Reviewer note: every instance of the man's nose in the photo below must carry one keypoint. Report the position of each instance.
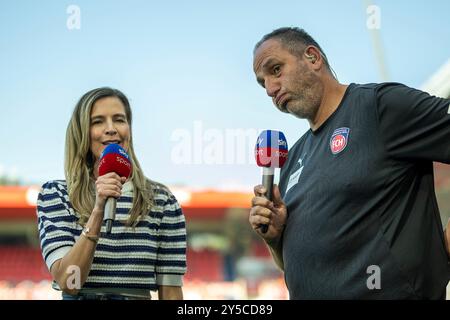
(272, 88)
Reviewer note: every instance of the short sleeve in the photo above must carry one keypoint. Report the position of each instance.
(413, 124)
(56, 224)
(171, 256)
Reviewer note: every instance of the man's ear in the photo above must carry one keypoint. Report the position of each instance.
(311, 57)
(312, 54)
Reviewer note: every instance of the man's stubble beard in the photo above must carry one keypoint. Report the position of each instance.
(307, 96)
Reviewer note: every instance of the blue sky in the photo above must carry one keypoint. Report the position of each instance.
(181, 63)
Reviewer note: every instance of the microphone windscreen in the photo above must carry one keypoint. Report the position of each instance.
(271, 149)
(114, 159)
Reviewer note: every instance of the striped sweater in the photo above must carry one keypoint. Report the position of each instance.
(153, 254)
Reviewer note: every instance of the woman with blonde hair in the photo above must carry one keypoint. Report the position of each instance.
(146, 249)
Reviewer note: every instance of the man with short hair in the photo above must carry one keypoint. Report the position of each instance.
(355, 215)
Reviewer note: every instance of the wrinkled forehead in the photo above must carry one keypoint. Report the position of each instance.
(269, 49)
(263, 52)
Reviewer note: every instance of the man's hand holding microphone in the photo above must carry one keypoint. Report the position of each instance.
(271, 213)
(268, 214)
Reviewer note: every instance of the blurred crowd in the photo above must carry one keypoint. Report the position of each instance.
(273, 289)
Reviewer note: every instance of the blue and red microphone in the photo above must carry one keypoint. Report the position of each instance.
(271, 151)
(113, 159)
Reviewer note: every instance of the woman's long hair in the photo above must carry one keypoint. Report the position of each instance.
(79, 160)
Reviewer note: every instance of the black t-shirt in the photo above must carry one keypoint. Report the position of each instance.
(363, 220)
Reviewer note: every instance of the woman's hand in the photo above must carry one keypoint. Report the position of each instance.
(107, 186)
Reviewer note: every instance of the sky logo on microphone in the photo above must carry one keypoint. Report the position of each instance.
(123, 153)
(271, 149)
(114, 148)
(115, 159)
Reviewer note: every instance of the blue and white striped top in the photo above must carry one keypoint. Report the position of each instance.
(152, 254)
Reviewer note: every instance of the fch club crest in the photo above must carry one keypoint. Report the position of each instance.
(339, 140)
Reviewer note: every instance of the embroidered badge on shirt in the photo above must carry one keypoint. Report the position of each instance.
(339, 140)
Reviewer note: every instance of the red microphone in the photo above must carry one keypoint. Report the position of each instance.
(113, 159)
(271, 151)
